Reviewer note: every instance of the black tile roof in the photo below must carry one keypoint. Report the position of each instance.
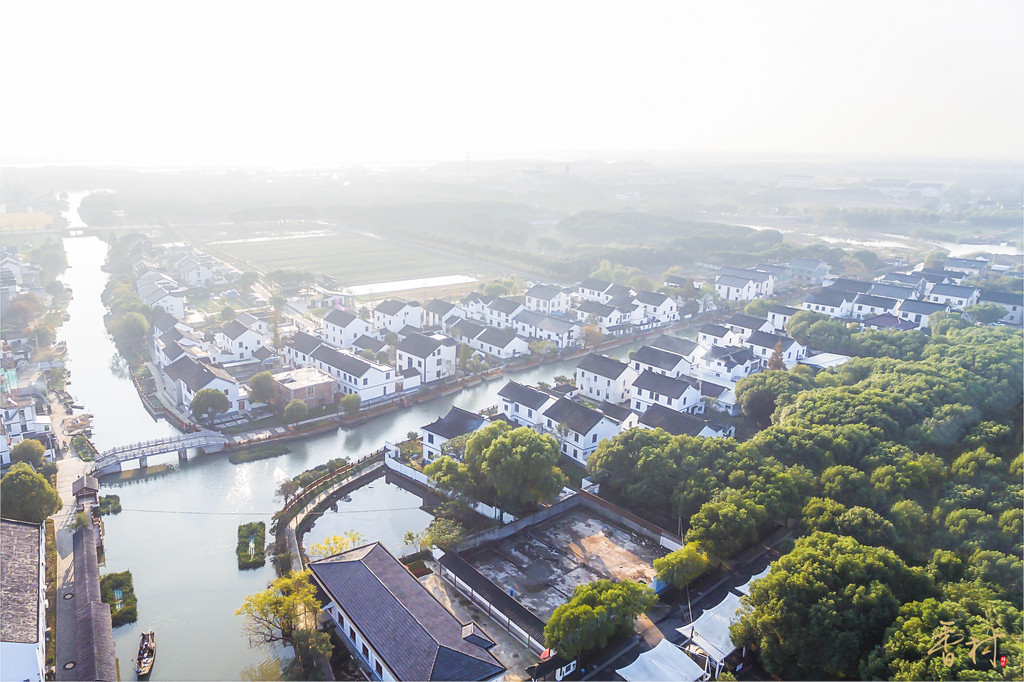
(577, 417)
(456, 423)
(85, 483)
(507, 306)
(544, 292)
(674, 344)
(1004, 297)
(659, 383)
(234, 329)
(19, 581)
(555, 325)
(953, 290)
(420, 345)
(393, 306)
(875, 301)
(892, 290)
(783, 310)
(496, 337)
(745, 273)
(524, 395)
(602, 366)
(854, 285)
(617, 290)
(94, 643)
(340, 318)
(746, 321)
(731, 356)
(715, 330)
(889, 321)
(922, 307)
(345, 362)
(614, 412)
(650, 298)
(830, 297)
(438, 307)
(594, 284)
(677, 423)
(733, 281)
(657, 357)
(589, 307)
(767, 340)
(415, 636)
(304, 343)
(467, 329)
(910, 280)
(364, 342)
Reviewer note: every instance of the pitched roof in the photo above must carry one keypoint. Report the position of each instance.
(19, 581)
(657, 357)
(715, 330)
(555, 325)
(544, 292)
(507, 306)
(577, 417)
(910, 280)
(674, 344)
(746, 321)
(438, 307)
(783, 310)
(952, 290)
(393, 306)
(663, 385)
(892, 290)
(421, 345)
(456, 423)
(833, 298)
(595, 284)
(730, 356)
(769, 340)
(590, 307)
(614, 412)
(364, 342)
(85, 483)
(340, 318)
(496, 337)
(875, 301)
(650, 298)
(304, 343)
(523, 395)
(806, 263)
(195, 375)
(733, 281)
(922, 307)
(234, 329)
(415, 636)
(346, 362)
(476, 296)
(748, 273)
(467, 329)
(617, 290)
(889, 321)
(1004, 297)
(602, 366)
(855, 285)
(677, 423)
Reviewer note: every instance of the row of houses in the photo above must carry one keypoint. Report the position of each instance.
(747, 284)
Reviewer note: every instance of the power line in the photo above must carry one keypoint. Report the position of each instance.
(257, 513)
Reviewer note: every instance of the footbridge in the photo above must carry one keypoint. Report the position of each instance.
(110, 461)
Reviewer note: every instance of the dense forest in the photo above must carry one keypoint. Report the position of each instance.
(905, 476)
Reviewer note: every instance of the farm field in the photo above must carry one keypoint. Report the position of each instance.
(348, 257)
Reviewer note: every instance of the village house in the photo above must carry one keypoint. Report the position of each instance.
(956, 297)
(560, 331)
(391, 315)
(20, 421)
(194, 270)
(466, 330)
(186, 377)
(171, 300)
(933, 277)
(809, 271)
(673, 344)
(712, 335)
(235, 341)
(763, 345)
(764, 282)
(475, 305)
(682, 424)
(975, 267)
(919, 312)
(524, 404)
(308, 384)
(736, 288)
(500, 311)
(603, 378)
(433, 357)
(578, 429)
(913, 280)
(545, 298)
(650, 388)
(592, 312)
(341, 328)
(728, 363)
(779, 316)
(854, 286)
(896, 291)
(743, 325)
(720, 397)
(659, 361)
(457, 422)
(437, 313)
(657, 307)
(394, 627)
(371, 381)
(888, 321)
(592, 289)
(368, 344)
(1013, 304)
(260, 322)
(868, 305)
(500, 343)
(298, 350)
(831, 302)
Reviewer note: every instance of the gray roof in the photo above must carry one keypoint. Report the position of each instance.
(234, 329)
(415, 636)
(602, 366)
(657, 357)
(733, 281)
(19, 581)
(505, 305)
(731, 356)
(661, 384)
(676, 423)
(594, 284)
(467, 329)
(457, 422)
(674, 344)
(618, 290)
(523, 395)
(369, 343)
(892, 290)
(783, 310)
(496, 337)
(393, 306)
(555, 325)
(421, 345)
(910, 280)
(544, 292)
(767, 340)
(875, 301)
(94, 643)
(577, 417)
(196, 375)
(745, 321)
(888, 321)
(807, 263)
(350, 364)
(340, 318)
(650, 298)
(1003, 297)
(304, 343)
(614, 412)
(922, 307)
(438, 307)
(85, 483)
(715, 330)
(830, 297)
(589, 307)
(855, 285)
(952, 290)
(748, 273)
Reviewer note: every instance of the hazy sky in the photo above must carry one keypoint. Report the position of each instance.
(322, 83)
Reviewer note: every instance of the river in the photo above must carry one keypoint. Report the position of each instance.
(178, 530)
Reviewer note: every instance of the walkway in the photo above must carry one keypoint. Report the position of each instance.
(69, 470)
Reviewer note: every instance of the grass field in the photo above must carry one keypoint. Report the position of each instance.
(350, 258)
(35, 220)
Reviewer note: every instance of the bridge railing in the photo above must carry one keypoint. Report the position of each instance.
(140, 449)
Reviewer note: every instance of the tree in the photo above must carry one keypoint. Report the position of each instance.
(131, 329)
(592, 335)
(519, 464)
(759, 307)
(986, 313)
(247, 279)
(227, 313)
(208, 403)
(26, 495)
(336, 544)
(775, 362)
(295, 411)
(936, 260)
(725, 525)
(351, 403)
(596, 613)
(261, 387)
(682, 566)
(279, 614)
(824, 605)
(286, 490)
(444, 533)
(760, 394)
(30, 451)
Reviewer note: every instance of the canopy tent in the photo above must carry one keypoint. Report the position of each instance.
(710, 632)
(745, 587)
(662, 663)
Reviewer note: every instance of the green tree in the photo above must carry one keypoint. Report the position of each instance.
(444, 533)
(682, 566)
(597, 612)
(825, 605)
(760, 394)
(132, 329)
(520, 466)
(936, 260)
(30, 451)
(350, 403)
(295, 411)
(726, 524)
(227, 313)
(208, 403)
(759, 307)
(592, 335)
(26, 495)
(261, 387)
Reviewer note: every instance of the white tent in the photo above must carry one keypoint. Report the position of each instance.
(662, 663)
(745, 588)
(710, 632)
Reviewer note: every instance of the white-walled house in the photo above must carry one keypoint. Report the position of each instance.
(371, 381)
(500, 343)
(867, 305)
(660, 361)
(680, 394)
(920, 312)
(735, 288)
(396, 628)
(763, 346)
(545, 298)
(603, 378)
(560, 331)
(727, 363)
(1012, 303)
(779, 316)
(720, 396)
(712, 335)
(457, 422)
(578, 428)
(438, 313)
(341, 328)
(23, 644)
(524, 404)
(298, 350)
(475, 305)
(186, 377)
(604, 316)
(391, 315)
(657, 307)
(592, 289)
(236, 342)
(683, 424)
(433, 357)
(956, 297)
(831, 302)
(500, 311)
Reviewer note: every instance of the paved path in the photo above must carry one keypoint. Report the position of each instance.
(69, 470)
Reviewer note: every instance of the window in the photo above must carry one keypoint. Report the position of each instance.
(576, 437)
(366, 652)
(351, 633)
(378, 668)
(516, 410)
(593, 439)
(430, 438)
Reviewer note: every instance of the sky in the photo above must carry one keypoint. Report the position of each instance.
(293, 84)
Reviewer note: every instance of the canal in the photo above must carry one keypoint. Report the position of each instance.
(177, 532)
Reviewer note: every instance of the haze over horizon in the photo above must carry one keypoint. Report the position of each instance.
(317, 84)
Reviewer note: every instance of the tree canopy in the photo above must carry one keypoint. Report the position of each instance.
(30, 451)
(596, 613)
(295, 411)
(681, 567)
(208, 403)
(26, 495)
(261, 387)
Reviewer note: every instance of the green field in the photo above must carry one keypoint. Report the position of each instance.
(350, 258)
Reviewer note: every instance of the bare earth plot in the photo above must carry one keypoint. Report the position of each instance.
(543, 564)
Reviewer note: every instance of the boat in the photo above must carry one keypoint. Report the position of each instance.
(147, 654)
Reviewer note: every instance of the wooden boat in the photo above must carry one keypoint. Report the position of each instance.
(147, 654)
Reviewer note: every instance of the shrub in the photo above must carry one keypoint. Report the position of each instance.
(256, 534)
(127, 611)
